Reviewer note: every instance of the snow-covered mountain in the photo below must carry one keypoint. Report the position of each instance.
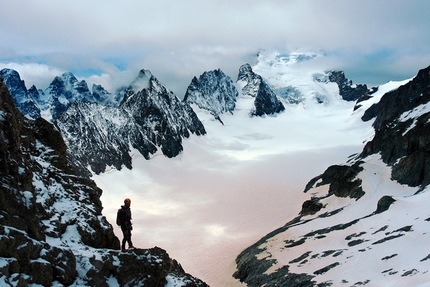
(25, 100)
(52, 230)
(266, 102)
(213, 91)
(104, 129)
(63, 91)
(149, 117)
(365, 222)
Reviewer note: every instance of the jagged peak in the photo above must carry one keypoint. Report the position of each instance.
(142, 81)
(245, 72)
(11, 76)
(69, 77)
(218, 74)
(99, 89)
(9, 72)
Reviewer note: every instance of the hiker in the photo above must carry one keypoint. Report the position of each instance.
(124, 220)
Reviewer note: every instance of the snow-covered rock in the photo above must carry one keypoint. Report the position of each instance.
(25, 100)
(266, 102)
(64, 91)
(149, 119)
(347, 89)
(213, 91)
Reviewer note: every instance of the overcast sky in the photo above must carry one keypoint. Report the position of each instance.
(108, 42)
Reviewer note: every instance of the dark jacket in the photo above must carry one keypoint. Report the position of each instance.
(125, 218)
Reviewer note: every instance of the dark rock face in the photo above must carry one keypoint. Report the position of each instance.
(403, 140)
(266, 102)
(139, 267)
(94, 138)
(310, 207)
(346, 89)
(148, 119)
(342, 180)
(212, 91)
(159, 111)
(50, 217)
(384, 203)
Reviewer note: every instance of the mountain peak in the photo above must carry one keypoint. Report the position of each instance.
(142, 81)
(69, 77)
(212, 91)
(266, 102)
(245, 71)
(6, 72)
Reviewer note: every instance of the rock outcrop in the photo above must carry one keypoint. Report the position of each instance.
(266, 102)
(347, 90)
(402, 132)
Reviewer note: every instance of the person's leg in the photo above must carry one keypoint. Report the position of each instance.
(125, 234)
(130, 244)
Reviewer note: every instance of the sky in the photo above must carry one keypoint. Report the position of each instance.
(108, 42)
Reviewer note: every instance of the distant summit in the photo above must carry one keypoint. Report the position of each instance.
(213, 91)
(149, 117)
(266, 102)
(103, 128)
(27, 101)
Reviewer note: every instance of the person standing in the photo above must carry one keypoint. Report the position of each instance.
(124, 220)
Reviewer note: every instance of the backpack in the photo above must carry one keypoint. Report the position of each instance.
(118, 217)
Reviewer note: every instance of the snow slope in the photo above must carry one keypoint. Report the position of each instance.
(240, 181)
(368, 250)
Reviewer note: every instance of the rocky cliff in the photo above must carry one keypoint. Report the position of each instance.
(52, 231)
(402, 133)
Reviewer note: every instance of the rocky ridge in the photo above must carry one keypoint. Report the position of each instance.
(51, 225)
(149, 117)
(102, 129)
(347, 90)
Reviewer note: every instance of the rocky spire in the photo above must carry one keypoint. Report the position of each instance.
(266, 102)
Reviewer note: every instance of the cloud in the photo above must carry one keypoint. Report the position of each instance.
(177, 40)
(40, 75)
